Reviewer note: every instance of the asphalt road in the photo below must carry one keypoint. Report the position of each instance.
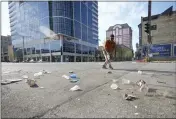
(96, 99)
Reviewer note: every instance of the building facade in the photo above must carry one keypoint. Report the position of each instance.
(163, 38)
(5, 43)
(74, 22)
(122, 33)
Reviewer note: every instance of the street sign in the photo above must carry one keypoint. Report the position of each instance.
(153, 27)
(161, 50)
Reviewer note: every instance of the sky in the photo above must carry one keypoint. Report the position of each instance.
(110, 13)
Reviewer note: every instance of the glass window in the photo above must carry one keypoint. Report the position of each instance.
(89, 18)
(68, 46)
(84, 14)
(77, 27)
(85, 49)
(84, 33)
(77, 10)
(78, 48)
(55, 46)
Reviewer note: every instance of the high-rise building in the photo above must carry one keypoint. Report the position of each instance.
(74, 22)
(5, 43)
(122, 33)
(163, 36)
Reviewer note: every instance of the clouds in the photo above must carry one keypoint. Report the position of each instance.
(5, 28)
(111, 13)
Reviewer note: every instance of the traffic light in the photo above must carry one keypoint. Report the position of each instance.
(147, 25)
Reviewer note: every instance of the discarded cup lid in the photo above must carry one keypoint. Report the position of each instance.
(114, 86)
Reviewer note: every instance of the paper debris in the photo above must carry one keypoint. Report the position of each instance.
(139, 72)
(66, 77)
(75, 88)
(25, 77)
(38, 74)
(109, 72)
(114, 80)
(136, 113)
(135, 106)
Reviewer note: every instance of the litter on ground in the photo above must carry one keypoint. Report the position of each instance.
(45, 72)
(75, 88)
(109, 72)
(141, 84)
(114, 80)
(31, 82)
(129, 97)
(66, 77)
(38, 74)
(161, 82)
(25, 77)
(139, 72)
(125, 81)
(114, 86)
(70, 71)
(73, 76)
(136, 113)
(8, 81)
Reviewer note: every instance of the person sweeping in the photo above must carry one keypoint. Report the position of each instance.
(109, 51)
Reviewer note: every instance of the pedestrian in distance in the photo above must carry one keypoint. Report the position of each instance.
(109, 51)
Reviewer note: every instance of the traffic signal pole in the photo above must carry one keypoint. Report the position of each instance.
(149, 22)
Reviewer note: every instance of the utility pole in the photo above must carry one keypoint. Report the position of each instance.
(149, 22)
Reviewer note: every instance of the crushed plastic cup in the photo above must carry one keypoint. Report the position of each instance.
(75, 88)
(139, 72)
(38, 74)
(66, 77)
(125, 81)
(25, 77)
(31, 82)
(114, 86)
(73, 76)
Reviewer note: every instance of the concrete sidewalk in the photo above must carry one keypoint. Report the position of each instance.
(96, 99)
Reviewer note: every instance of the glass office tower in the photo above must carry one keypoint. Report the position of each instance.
(75, 22)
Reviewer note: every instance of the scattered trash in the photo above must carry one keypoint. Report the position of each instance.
(109, 72)
(73, 80)
(161, 82)
(139, 72)
(114, 86)
(8, 81)
(136, 113)
(125, 81)
(133, 62)
(135, 106)
(78, 99)
(70, 71)
(41, 87)
(66, 77)
(25, 77)
(114, 81)
(45, 72)
(142, 84)
(129, 97)
(38, 74)
(73, 76)
(31, 82)
(75, 88)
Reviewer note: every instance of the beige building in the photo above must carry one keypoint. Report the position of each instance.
(166, 28)
(122, 33)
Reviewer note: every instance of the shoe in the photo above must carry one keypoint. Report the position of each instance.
(104, 67)
(111, 67)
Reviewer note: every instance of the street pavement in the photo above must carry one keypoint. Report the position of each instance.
(96, 99)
